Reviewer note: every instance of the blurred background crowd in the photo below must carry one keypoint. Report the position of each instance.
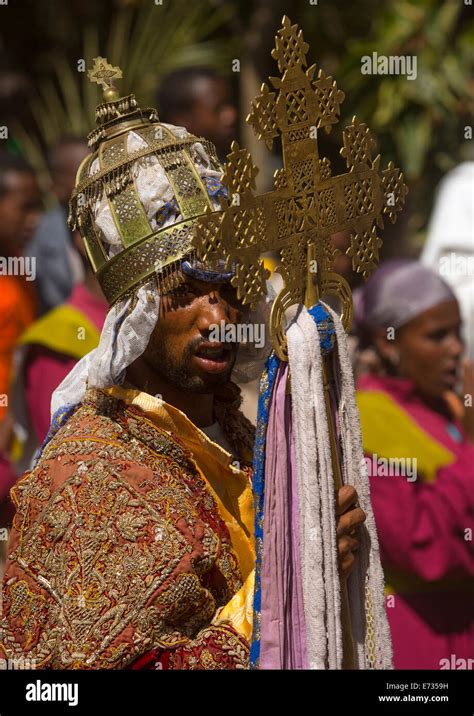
(201, 64)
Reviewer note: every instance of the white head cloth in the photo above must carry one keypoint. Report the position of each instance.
(321, 584)
(449, 247)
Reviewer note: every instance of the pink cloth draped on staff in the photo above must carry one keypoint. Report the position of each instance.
(283, 643)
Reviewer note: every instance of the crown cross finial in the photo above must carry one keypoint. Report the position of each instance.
(104, 74)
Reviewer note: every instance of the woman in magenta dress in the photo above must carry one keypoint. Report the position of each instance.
(418, 440)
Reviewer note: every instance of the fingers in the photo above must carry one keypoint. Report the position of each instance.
(347, 551)
(347, 546)
(346, 497)
(346, 563)
(350, 521)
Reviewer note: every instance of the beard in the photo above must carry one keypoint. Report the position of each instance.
(180, 372)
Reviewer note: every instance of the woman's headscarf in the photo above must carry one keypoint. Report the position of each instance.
(396, 293)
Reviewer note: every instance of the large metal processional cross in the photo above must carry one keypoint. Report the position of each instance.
(308, 205)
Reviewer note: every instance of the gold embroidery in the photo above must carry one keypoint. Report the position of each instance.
(120, 545)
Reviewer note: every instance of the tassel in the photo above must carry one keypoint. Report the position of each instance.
(165, 279)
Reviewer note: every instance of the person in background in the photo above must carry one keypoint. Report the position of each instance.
(58, 340)
(199, 99)
(449, 247)
(59, 268)
(20, 206)
(420, 458)
(47, 352)
(51, 347)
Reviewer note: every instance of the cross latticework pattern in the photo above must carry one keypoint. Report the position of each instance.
(104, 73)
(308, 204)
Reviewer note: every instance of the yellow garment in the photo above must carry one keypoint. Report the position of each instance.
(229, 486)
(64, 330)
(389, 432)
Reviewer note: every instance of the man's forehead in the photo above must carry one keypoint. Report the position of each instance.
(211, 90)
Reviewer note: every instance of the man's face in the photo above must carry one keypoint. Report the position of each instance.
(430, 349)
(213, 114)
(180, 349)
(64, 175)
(20, 208)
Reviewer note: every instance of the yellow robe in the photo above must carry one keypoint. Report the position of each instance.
(230, 488)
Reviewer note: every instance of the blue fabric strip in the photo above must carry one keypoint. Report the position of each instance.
(205, 275)
(258, 484)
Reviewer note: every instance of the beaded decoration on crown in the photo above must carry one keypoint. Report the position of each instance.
(142, 246)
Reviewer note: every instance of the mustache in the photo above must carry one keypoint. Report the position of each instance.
(194, 345)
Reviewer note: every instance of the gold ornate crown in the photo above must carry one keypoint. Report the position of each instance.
(144, 248)
(308, 205)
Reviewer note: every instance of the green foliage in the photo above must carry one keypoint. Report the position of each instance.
(419, 116)
(145, 40)
(418, 123)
